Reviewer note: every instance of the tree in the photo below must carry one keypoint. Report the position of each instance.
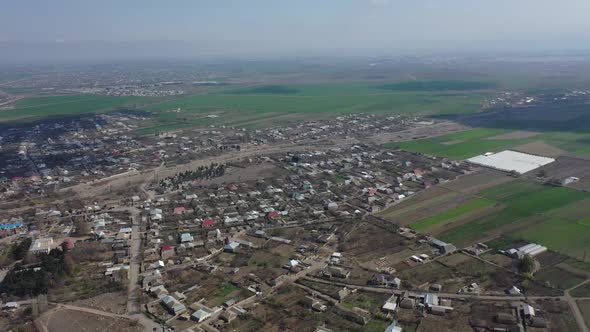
(526, 264)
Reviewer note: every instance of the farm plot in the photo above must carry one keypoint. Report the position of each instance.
(445, 218)
(585, 309)
(509, 209)
(477, 141)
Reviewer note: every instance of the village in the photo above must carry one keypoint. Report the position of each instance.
(287, 236)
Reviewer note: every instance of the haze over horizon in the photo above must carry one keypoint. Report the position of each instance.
(67, 29)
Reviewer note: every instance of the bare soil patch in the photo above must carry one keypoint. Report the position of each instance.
(476, 182)
(109, 302)
(517, 134)
(453, 142)
(565, 167)
(59, 319)
(540, 148)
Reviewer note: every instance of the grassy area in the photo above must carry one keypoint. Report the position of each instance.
(565, 236)
(473, 142)
(449, 216)
(241, 104)
(440, 85)
(585, 309)
(558, 278)
(34, 108)
(581, 291)
(527, 211)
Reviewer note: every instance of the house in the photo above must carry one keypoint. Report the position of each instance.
(391, 304)
(407, 303)
(166, 251)
(436, 287)
(383, 280)
(201, 314)
(310, 302)
(42, 245)
(443, 247)
(514, 291)
(231, 246)
(159, 291)
(208, 223)
(393, 327)
(505, 318)
(173, 305)
(538, 322)
(10, 305)
(431, 300)
(228, 316)
(338, 272)
(179, 210)
(342, 294)
(272, 215)
(186, 237)
(528, 311)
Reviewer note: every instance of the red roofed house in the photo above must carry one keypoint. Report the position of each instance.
(232, 187)
(419, 172)
(272, 215)
(179, 210)
(208, 223)
(371, 191)
(166, 251)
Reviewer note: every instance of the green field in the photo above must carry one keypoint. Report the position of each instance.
(448, 216)
(240, 104)
(473, 142)
(529, 211)
(35, 108)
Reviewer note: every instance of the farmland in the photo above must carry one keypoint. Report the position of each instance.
(34, 108)
(243, 104)
(473, 142)
(519, 209)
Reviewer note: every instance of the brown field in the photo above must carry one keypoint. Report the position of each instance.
(368, 242)
(473, 183)
(540, 148)
(60, 319)
(109, 302)
(585, 309)
(565, 167)
(463, 219)
(517, 134)
(423, 205)
(558, 315)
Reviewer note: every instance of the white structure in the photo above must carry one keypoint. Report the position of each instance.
(511, 161)
(42, 245)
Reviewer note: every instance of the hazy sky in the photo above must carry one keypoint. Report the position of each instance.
(284, 25)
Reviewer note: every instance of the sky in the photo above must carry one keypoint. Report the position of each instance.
(298, 26)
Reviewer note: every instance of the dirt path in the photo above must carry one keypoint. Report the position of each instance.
(575, 309)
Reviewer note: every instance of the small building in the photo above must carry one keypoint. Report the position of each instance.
(200, 315)
(232, 246)
(436, 287)
(528, 311)
(173, 305)
(228, 316)
(186, 237)
(391, 304)
(41, 246)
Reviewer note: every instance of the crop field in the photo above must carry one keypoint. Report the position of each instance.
(528, 214)
(34, 108)
(519, 209)
(449, 216)
(473, 142)
(245, 104)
